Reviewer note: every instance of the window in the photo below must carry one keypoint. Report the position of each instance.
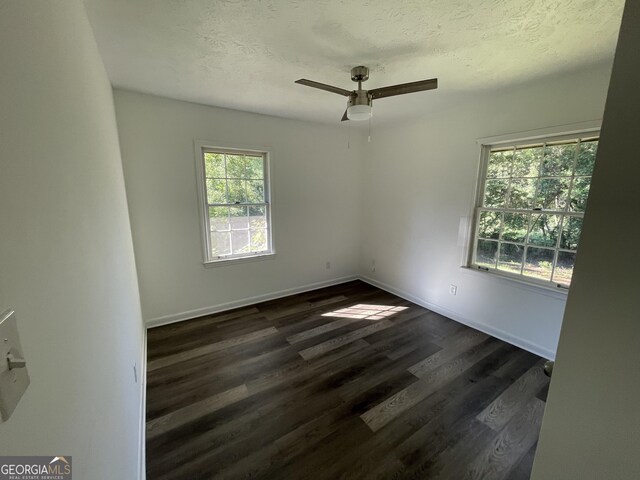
(532, 198)
(234, 191)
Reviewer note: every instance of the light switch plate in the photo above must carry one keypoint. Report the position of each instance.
(13, 381)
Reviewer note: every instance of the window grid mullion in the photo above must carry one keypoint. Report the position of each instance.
(230, 237)
(573, 174)
(523, 210)
(538, 180)
(573, 169)
(249, 228)
(526, 242)
(500, 230)
(555, 253)
(226, 178)
(236, 204)
(226, 189)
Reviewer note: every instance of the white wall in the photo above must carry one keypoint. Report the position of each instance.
(315, 204)
(392, 192)
(420, 179)
(591, 426)
(66, 256)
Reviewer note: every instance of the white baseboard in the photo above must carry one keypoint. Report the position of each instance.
(199, 312)
(494, 332)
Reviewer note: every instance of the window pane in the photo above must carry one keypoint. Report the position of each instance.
(544, 230)
(216, 191)
(526, 162)
(220, 244)
(232, 181)
(240, 241)
(255, 191)
(515, 226)
(219, 219)
(552, 194)
(259, 240)
(522, 192)
(586, 158)
(571, 229)
(489, 225)
(500, 164)
(237, 191)
(530, 218)
(236, 166)
(486, 253)
(257, 217)
(214, 165)
(564, 268)
(238, 218)
(255, 167)
(510, 259)
(495, 193)
(558, 160)
(579, 194)
(538, 263)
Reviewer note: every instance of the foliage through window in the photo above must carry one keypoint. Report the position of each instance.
(236, 203)
(529, 216)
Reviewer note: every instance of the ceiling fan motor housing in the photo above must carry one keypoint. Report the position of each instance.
(360, 74)
(360, 97)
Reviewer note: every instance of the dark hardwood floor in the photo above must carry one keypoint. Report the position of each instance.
(344, 382)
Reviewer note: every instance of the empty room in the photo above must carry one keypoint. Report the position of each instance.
(319, 239)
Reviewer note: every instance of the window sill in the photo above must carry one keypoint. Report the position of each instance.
(234, 261)
(550, 291)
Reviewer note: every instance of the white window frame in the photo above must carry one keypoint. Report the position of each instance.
(541, 136)
(201, 147)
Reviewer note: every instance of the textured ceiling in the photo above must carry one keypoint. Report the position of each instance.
(246, 54)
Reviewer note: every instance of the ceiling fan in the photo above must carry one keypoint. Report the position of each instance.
(359, 103)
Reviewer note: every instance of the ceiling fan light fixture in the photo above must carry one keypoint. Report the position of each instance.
(359, 112)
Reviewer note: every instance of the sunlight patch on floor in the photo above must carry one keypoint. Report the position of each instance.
(366, 312)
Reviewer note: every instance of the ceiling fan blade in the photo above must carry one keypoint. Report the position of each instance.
(404, 88)
(323, 86)
(344, 117)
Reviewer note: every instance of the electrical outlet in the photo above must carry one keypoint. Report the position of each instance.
(328, 265)
(453, 289)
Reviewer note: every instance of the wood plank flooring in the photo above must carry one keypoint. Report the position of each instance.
(346, 382)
